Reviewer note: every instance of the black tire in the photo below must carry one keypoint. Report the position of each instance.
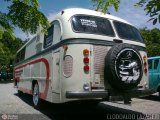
(20, 93)
(118, 64)
(158, 90)
(37, 103)
(159, 94)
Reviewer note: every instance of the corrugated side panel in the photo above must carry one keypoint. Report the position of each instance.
(100, 53)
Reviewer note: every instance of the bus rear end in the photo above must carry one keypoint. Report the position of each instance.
(106, 58)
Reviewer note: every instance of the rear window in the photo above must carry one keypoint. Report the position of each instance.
(92, 25)
(126, 31)
(20, 55)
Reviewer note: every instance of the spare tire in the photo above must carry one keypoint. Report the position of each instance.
(123, 67)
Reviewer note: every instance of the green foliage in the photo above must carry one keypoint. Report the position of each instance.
(103, 5)
(152, 40)
(5, 25)
(13, 45)
(24, 14)
(152, 7)
(30, 20)
(8, 48)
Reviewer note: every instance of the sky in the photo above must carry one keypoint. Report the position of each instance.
(127, 11)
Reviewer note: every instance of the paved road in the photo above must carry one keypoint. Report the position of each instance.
(12, 105)
(21, 107)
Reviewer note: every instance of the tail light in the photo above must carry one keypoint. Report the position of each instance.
(145, 64)
(86, 52)
(86, 67)
(145, 70)
(86, 60)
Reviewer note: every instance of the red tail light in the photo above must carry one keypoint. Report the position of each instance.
(145, 70)
(145, 64)
(86, 60)
(86, 68)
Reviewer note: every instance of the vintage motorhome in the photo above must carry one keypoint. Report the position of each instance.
(85, 55)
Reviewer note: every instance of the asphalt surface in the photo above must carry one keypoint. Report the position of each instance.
(20, 107)
(14, 107)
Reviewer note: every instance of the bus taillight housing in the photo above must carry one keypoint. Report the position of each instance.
(145, 64)
(86, 67)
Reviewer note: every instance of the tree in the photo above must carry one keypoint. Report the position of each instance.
(24, 14)
(152, 7)
(8, 52)
(152, 38)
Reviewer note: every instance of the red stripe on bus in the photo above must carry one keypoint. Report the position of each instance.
(43, 95)
(19, 71)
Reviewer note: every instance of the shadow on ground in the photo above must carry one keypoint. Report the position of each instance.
(152, 97)
(80, 110)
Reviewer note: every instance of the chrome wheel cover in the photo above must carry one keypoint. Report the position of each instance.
(128, 66)
(36, 95)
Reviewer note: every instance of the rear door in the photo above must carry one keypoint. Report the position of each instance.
(56, 57)
(56, 72)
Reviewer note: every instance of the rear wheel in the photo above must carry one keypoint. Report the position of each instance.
(159, 94)
(158, 90)
(36, 99)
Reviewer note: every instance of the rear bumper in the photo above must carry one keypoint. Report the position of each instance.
(87, 94)
(104, 94)
(139, 93)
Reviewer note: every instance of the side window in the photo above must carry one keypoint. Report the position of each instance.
(156, 62)
(150, 64)
(48, 39)
(57, 32)
(20, 55)
(17, 58)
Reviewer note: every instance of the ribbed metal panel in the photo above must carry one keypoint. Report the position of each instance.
(100, 53)
(68, 66)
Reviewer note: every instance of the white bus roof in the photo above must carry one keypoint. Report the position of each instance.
(75, 11)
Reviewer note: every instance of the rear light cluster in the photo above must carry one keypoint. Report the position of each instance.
(145, 64)
(86, 60)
